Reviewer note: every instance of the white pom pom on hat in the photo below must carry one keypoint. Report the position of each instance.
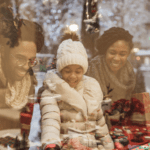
(71, 53)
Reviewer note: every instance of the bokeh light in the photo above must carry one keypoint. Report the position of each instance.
(138, 58)
(73, 27)
(135, 50)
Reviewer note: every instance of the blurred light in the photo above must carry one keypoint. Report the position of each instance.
(45, 2)
(135, 50)
(53, 11)
(54, 1)
(73, 27)
(70, 5)
(112, 14)
(48, 21)
(100, 16)
(70, 11)
(59, 11)
(146, 61)
(57, 21)
(56, 17)
(138, 58)
(136, 13)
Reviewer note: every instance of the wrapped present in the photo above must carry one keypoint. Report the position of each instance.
(26, 115)
(29, 108)
(25, 120)
(142, 106)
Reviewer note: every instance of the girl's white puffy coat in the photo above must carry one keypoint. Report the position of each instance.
(75, 105)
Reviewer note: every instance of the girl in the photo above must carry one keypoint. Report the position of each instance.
(77, 112)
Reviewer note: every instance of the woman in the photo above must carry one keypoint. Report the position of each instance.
(79, 107)
(20, 41)
(111, 68)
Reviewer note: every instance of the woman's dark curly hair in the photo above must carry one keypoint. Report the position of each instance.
(112, 35)
(15, 29)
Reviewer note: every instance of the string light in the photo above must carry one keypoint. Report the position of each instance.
(87, 9)
(73, 27)
(92, 25)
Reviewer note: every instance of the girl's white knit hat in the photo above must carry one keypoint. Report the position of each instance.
(71, 53)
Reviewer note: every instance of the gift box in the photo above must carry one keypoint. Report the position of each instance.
(29, 108)
(25, 118)
(143, 106)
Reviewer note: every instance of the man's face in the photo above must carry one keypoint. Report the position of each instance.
(25, 50)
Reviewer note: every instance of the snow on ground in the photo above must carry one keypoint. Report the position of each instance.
(40, 78)
(35, 129)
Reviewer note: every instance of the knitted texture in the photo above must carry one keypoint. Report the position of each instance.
(122, 85)
(77, 108)
(16, 94)
(71, 53)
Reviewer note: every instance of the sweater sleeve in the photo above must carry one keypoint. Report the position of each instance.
(93, 97)
(50, 119)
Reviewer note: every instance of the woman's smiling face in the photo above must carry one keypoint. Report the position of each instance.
(72, 74)
(116, 55)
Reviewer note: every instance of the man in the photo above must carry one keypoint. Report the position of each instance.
(20, 41)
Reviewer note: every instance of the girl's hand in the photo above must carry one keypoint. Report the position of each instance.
(52, 147)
